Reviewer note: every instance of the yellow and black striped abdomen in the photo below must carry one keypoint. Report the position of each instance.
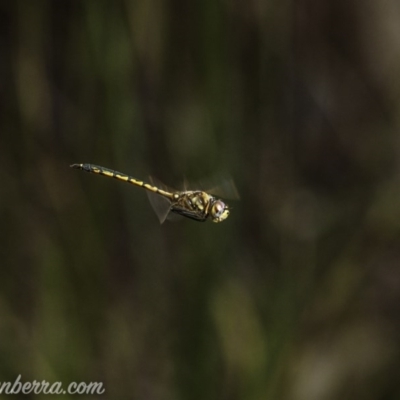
(96, 169)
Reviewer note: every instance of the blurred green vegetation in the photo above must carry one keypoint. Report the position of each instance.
(296, 295)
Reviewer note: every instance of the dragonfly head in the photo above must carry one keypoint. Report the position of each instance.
(219, 211)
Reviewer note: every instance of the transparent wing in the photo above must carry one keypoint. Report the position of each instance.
(174, 217)
(161, 185)
(225, 189)
(222, 186)
(160, 204)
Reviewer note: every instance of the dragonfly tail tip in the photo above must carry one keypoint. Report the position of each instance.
(77, 166)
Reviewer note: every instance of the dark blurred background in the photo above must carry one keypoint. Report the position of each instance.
(297, 295)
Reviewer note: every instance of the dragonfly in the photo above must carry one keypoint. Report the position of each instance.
(197, 205)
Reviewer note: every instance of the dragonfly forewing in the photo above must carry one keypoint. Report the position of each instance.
(220, 186)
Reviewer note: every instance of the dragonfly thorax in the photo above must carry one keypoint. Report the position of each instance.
(200, 205)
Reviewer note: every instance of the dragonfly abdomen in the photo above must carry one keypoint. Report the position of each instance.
(96, 169)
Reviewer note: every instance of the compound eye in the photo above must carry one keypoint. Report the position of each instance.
(218, 208)
(219, 211)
